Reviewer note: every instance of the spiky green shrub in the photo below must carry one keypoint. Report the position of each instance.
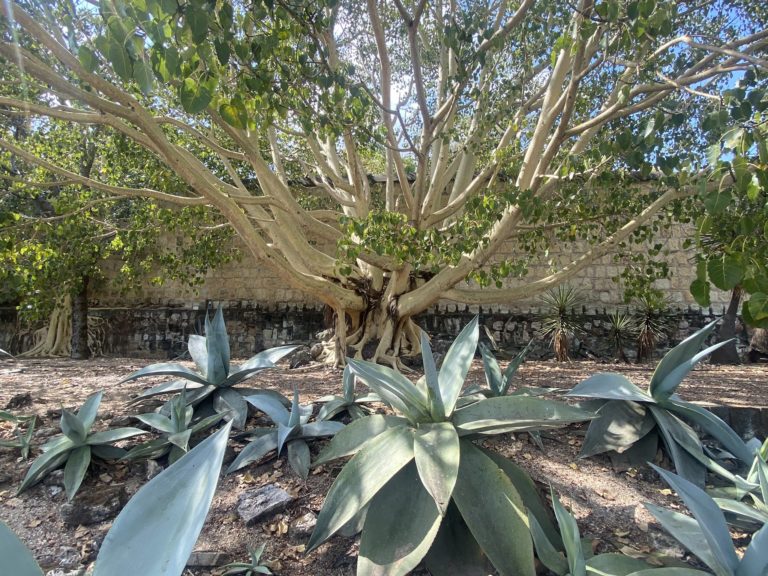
(706, 535)
(176, 431)
(157, 530)
(75, 447)
(24, 429)
(418, 484)
(631, 421)
(212, 388)
(557, 320)
(654, 322)
(622, 329)
(498, 382)
(355, 406)
(251, 568)
(292, 431)
(578, 561)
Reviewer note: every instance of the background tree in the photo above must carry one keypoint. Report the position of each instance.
(494, 122)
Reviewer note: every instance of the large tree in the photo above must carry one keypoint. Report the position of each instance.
(492, 123)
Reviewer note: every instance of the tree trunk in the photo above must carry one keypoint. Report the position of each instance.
(758, 345)
(728, 354)
(80, 350)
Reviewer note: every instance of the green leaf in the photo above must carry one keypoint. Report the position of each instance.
(75, 469)
(157, 530)
(158, 422)
(53, 457)
(167, 369)
(197, 20)
(571, 538)
(318, 429)
(725, 271)
(620, 424)
(545, 551)
(401, 524)
(194, 97)
(199, 352)
(610, 386)
(494, 513)
(72, 427)
(456, 365)
(181, 439)
(683, 445)
(227, 400)
(298, 457)
(254, 451)
(717, 201)
(353, 436)
(433, 381)
(394, 388)
(359, 481)
(109, 436)
(436, 449)
(261, 361)
(234, 114)
(332, 408)
(144, 77)
(87, 58)
(700, 291)
(492, 370)
(755, 560)
(17, 559)
(120, 60)
(758, 306)
(455, 552)
(513, 366)
(687, 531)
(615, 565)
(89, 409)
(217, 346)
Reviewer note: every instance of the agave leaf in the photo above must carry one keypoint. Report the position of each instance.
(156, 531)
(72, 427)
(515, 413)
(669, 571)
(710, 519)
(436, 449)
(295, 417)
(318, 429)
(270, 406)
(352, 437)
(679, 356)
(615, 565)
(199, 352)
(114, 435)
(254, 451)
(158, 422)
(17, 559)
(456, 365)
(682, 444)
(54, 457)
(755, 560)
(494, 512)
(75, 469)
(620, 424)
(356, 412)
(228, 400)
(332, 408)
(367, 398)
(455, 552)
(393, 387)
(88, 411)
(610, 386)
(261, 361)
(744, 512)
(156, 447)
(217, 346)
(513, 366)
(762, 474)
(713, 426)
(298, 457)
(348, 384)
(571, 538)
(550, 556)
(492, 370)
(665, 388)
(285, 433)
(206, 423)
(401, 524)
(181, 439)
(361, 479)
(436, 406)
(166, 369)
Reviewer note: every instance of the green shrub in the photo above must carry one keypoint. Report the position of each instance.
(558, 322)
(23, 439)
(418, 484)
(355, 406)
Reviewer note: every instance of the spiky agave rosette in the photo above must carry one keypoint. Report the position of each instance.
(422, 489)
(212, 388)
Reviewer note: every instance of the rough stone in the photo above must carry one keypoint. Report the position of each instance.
(55, 478)
(94, 506)
(122, 421)
(316, 350)
(300, 358)
(19, 401)
(303, 525)
(253, 505)
(69, 558)
(207, 559)
(153, 469)
(59, 572)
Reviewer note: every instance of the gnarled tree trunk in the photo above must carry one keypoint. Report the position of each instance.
(728, 354)
(79, 346)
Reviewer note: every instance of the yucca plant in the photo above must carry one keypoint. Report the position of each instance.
(212, 389)
(176, 429)
(292, 432)
(706, 535)
(75, 447)
(157, 530)
(24, 429)
(355, 406)
(425, 489)
(747, 509)
(578, 561)
(631, 420)
(623, 329)
(251, 568)
(653, 323)
(558, 323)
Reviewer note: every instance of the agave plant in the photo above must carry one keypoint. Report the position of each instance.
(251, 568)
(631, 420)
(157, 530)
(747, 509)
(354, 405)
(421, 488)
(498, 381)
(653, 323)
(215, 382)
(558, 323)
(623, 328)
(578, 562)
(23, 439)
(292, 432)
(176, 431)
(706, 535)
(76, 446)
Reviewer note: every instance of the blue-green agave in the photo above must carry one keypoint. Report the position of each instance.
(355, 406)
(422, 489)
(212, 388)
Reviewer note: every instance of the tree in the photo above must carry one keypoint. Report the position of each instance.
(493, 122)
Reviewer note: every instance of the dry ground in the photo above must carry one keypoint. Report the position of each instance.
(606, 502)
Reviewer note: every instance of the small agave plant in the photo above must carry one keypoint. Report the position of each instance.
(422, 489)
(747, 509)
(632, 421)
(76, 446)
(176, 431)
(212, 389)
(355, 406)
(292, 432)
(251, 568)
(23, 439)
(706, 535)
